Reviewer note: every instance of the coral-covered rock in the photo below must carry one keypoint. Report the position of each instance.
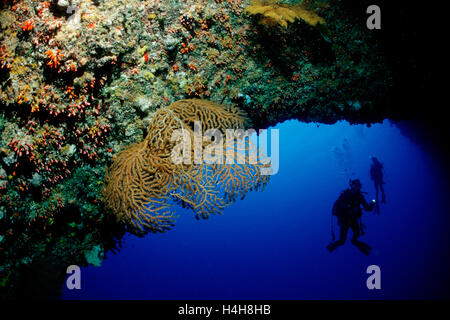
(81, 80)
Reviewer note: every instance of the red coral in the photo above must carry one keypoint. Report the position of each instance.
(28, 25)
(54, 58)
(5, 59)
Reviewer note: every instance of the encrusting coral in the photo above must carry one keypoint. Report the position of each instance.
(274, 12)
(144, 182)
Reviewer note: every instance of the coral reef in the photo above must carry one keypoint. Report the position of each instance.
(82, 79)
(144, 182)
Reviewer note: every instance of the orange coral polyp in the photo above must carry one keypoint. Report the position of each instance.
(54, 58)
(28, 25)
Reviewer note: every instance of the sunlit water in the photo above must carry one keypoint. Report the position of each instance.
(272, 245)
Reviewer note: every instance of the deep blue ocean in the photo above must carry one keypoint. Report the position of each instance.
(272, 244)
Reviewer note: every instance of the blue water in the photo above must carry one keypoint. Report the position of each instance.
(272, 244)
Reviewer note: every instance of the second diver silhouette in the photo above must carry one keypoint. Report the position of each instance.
(376, 174)
(347, 209)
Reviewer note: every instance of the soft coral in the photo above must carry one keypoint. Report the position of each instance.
(28, 25)
(54, 57)
(273, 12)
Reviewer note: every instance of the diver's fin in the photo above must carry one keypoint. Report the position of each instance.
(332, 246)
(362, 246)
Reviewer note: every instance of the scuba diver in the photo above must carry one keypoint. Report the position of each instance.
(376, 174)
(347, 209)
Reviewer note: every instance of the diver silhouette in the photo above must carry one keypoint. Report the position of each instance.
(376, 174)
(347, 209)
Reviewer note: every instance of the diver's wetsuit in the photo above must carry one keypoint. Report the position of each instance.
(351, 202)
